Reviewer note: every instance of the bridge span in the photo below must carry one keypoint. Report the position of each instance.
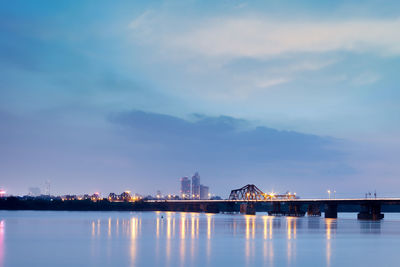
(367, 208)
(249, 199)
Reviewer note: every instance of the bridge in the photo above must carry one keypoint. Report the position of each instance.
(250, 199)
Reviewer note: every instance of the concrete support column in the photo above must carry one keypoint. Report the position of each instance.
(370, 211)
(331, 211)
(295, 210)
(212, 208)
(248, 208)
(230, 207)
(276, 209)
(313, 210)
(203, 207)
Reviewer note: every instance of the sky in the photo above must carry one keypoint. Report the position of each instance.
(106, 96)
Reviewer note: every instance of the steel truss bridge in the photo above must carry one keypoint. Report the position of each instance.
(252, 192)
(250, 198)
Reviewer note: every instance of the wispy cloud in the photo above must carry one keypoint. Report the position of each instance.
(271, 82)
(366, 78)
(224, 138)
(247, 37)
(260, 36)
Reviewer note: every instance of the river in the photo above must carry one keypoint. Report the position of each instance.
(60, 238)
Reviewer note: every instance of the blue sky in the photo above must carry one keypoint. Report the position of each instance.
(104, 96)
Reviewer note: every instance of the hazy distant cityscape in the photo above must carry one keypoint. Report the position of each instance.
(189, 188)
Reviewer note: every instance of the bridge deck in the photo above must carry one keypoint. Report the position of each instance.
(394, 201)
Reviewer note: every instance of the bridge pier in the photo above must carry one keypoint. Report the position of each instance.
(313, 210)
(370, 212)
(209, 208)
(212, 208)
(331, 211)
(248, 208)
(276, 209)
(295, 210)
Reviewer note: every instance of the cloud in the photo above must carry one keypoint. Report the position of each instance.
(139, 149)
(366, 78)
(224, 139)
(271, 82)
(258, 36)
(249, 37)
(231, 151)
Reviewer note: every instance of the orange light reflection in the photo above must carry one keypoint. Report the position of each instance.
(209, 226)
(265, 219)
(289, 227)
(168, 240)
(109, 228)
(158, 228)
(93, 229)
(133, 223)
(247, 218)
(253, 227)
(98, 227)
(193, 227)
(2, 230)
(328, 225)
(183, 226)
(117, 227)
(169, 227)
(183, 233)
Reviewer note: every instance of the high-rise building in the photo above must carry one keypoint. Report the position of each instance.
(185, 188)
(196, 186)
(204, 192)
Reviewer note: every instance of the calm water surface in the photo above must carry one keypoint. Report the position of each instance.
(45, 238)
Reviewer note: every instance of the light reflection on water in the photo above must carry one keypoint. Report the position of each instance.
(191, 239)
(2, 229)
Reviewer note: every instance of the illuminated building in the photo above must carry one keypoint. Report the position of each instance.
(196, 186)
(2, 193)
(185, 188)
(125, 196)
(113, 197)
(95, 197)
(69, 197)
(204, 192)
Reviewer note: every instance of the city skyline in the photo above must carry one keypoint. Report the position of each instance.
(105, 97)
(193, 189)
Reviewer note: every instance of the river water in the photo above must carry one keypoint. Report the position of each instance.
(47, 238)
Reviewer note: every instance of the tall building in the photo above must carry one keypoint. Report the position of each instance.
(185, 188)
(196, 186)
(204, 192)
